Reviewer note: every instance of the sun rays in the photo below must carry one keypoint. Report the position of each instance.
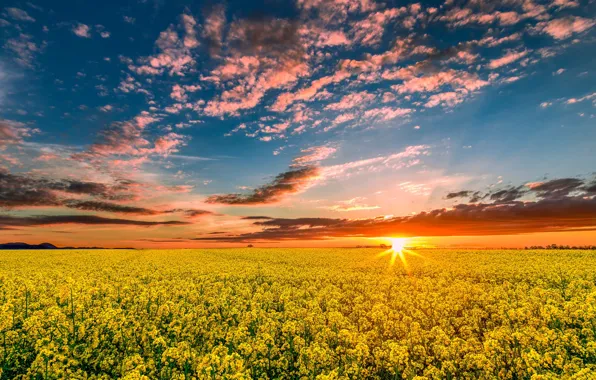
(399, 250)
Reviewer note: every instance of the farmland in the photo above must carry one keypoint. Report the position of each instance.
(297, 313)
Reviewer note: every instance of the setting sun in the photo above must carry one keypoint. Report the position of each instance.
(398, 250)
(398, 244)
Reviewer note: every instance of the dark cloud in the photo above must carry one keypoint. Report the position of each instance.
(474, 196)
(463, 220)
(109, 207)
(302, 222)
(191, 213)
(286, 183)
(265, 36)
(25, 191)
(213, 28)
(44, 220)
(256, 217)
(459, 194)
(18, 191)
(552, 189)
(508, 195)
(196, 213)
(557, 188)
(79, 187)
(22, 190)
(560, 205)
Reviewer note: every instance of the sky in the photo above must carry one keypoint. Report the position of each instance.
(157, 124)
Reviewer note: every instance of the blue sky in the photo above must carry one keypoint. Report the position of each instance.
(202, 114)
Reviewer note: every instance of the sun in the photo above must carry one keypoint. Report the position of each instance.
(399, 249)
(398, 244)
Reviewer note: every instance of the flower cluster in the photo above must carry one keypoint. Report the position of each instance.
(297, 313)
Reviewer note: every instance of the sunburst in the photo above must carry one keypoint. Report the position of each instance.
(398, 250)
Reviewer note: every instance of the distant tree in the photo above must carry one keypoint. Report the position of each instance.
(249, 246)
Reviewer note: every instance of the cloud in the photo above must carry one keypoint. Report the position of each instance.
(286, 183)
(354, 204)
(563, 28)
(167, 144)
(285, 99)
(278, 128)
(386, 113)
(45, 220)
(174, 51)
(548, 189)
(342, 118)
(213, 29)
(192, 213)
(24, 48)
(128, 139)
(474, 196)
(264, 36)
(123, 137)
(491, 41)
(556, 188)
(449, 99)
(358, 99)
(400, 50)
(336, 11)
(190, 37)
(507, 195)
(19, 14)
(25, 191)
(562, 205)
(82, 30)
(13, 132)
(21, 190)
(265, 54)
(109, 207)
(332, 38)
(591, 96)
(370, 30)
(407, 157)
(456, 79)
(313, 154)
(508, 58)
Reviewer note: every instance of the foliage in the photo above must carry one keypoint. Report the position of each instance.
(297, 313)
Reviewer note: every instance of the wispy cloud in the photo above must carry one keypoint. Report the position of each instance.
(563, 28)
(19, 15)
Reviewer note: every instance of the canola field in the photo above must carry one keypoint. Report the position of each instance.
(297, 314)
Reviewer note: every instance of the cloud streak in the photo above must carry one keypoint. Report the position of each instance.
(286, 183)
(560, 205)
(7, 221)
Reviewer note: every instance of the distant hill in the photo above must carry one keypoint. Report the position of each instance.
(27, 246)
(20, 245)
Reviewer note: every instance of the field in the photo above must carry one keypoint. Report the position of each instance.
(297, 313)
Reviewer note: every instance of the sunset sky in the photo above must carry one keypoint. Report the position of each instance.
(297, 123)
